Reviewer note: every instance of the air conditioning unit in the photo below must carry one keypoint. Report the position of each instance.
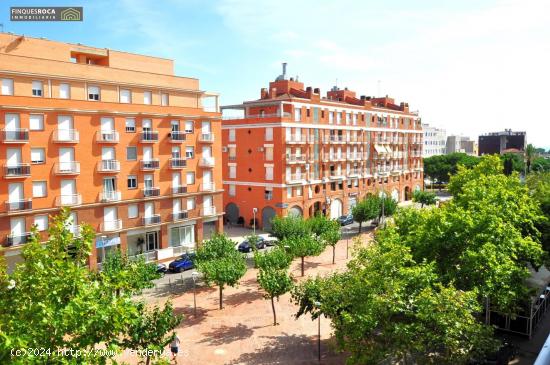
(261, 149)
(224, 149)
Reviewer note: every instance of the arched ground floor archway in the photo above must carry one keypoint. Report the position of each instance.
(408, 195)
(232, 213)
(336, 207)
(295, 211)
(268, 214)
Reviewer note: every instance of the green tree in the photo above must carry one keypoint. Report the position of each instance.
(540, 164)
(326, 229)
(151, 332)
(424, 198)
(387, 307)
(220, 263)
(512, 162)
(287, 227)
(365, 210)
(539, 189)
(530, 154)
(440, 168)
(303, 246)
(389, 206)
(277, 259)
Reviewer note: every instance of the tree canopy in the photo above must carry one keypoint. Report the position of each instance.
(424, 197)
(439, 168)
(365, 210)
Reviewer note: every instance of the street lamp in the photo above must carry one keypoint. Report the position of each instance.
(254, 211)
(318, 306)
(103, 249)
(194, 275)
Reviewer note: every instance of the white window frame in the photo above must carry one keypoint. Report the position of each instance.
(133, 211)
(41, 222)
(93, 93)
(125, 96)
(68, 91)
(40, 151)
(36, 118)
(7, 86)
(37, 88)
(147, 97)
(190, 178)
(43, 186)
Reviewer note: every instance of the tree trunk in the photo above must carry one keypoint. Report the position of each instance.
(274, 314)
(360, 224)
(221, 291)
(302, 265)
(333, 254)
(421, 205)
(147, 360)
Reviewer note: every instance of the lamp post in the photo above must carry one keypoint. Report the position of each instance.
(254, 211)
(103, 249)
(194, 275)
(318, 306)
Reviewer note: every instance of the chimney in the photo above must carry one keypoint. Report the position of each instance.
(273, 93)
(308, 89)
(363, 97)
(263, 93)
(316, 90)
(284, 70)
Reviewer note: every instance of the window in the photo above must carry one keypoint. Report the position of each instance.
(189, 152)
(232, 135)
(37, 88)
(132, 182)
(269, 173)
(36, 122)
(299, 191)
(190, 178)
(164, 99)
(38, 189)
(289, 192)
(232, 190)
(131, 153)
(297, 114)
(41, 222)
(189, 126)
(133, 211)
(7, 87)
(38, 155)
(268, 195)
(232, 172)
(269, 134)
(93, 93)
(191, 203)
(269, 153)
(125, 96)
(330, 117)
(182, 236)
(147, 97)
(64, 91)
(130, 125)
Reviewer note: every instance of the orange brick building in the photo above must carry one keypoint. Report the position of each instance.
(296, 152)
(117, 137)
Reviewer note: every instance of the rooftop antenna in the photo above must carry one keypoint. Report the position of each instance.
(284, 70)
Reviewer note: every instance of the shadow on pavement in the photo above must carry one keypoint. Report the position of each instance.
(225, 334)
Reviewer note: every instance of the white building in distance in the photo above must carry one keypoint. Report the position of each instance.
(435, 140)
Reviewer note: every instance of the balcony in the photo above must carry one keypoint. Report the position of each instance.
(148, 192)
(108, 166)
(107, 137)
(353, 140)
(206, 211)
(384, 171)
(179, 190)
(17, 170)
(354, 173)
(178, 163)
(18, 239)
(336, 175)
(17, 135)
(334, 157)
(154, 219)
(295, 159)
(180, 216)
(207, 162)
(149, 136)
(295, 178)
(67, 168)
(353, 156)
(17, 205)
(177, 136)
(66, 136)
(206, 138)
(110, 196)
(148, 165)
(208, 186)
(336, 139)
(110, 226)
(296, 139)
(68, 200)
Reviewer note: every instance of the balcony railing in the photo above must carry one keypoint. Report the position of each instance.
(66, 136)
(336, 174)
(17, 135)
(178, 216)
(353, 156)
(207, 162)
(178, 163)
(296, 139)
(108, 166)
(256, 116)
(354, 173)
(147, 256)
(18, 239)
(108, 137)
(177, 136)
(209, 211)
(208, 186)
(153, 164)
(17, 170)
(67, 168)
(110, 196)
(206, 137)
(147, 192)
(294, 178)
(68, 200)
(336, 139)
(295, 158)
(149, 136)
(154, 219)
(13, 206)
(179, 190)
(109, 226)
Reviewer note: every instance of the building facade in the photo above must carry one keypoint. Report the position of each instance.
(435, 140)
(461, 144)
(502, 142)
(294, 152)
(117, 138)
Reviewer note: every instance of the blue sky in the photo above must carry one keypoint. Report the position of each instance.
(470, 66)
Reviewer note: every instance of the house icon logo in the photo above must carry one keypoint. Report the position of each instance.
(71, 15)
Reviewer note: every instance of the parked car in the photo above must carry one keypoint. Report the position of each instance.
(271, 241)
(345, 220)
(184, 262)
(161, 268)
(245, 246)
